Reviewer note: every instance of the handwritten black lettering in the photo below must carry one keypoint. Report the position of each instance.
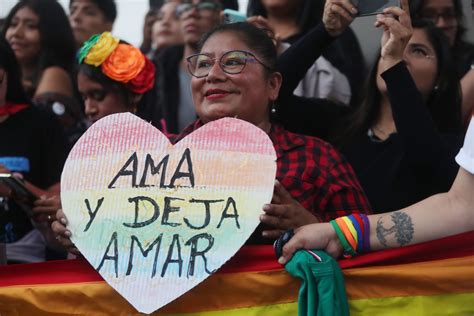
(156, 212)
(92, 214)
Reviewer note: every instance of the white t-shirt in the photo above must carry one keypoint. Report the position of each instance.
(465, 158)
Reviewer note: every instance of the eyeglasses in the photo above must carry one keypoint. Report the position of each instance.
(232, 62)
(448, 16)
(417, 52)
(201, 6)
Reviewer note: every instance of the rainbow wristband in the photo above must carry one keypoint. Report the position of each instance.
(343, 226)
(367, 232)
(359, 233)
(351, 228)
(345, 245)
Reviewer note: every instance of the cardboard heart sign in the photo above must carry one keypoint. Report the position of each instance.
(156, 219)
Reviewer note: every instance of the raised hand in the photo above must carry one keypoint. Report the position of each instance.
(396, 24)
(338, 14)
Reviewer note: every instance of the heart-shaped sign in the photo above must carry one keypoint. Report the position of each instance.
(156, 219)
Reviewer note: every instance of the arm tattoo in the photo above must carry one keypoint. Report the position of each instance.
(402, 227)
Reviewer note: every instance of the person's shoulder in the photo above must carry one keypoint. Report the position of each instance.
(310, 142)
(33, 118)
(39, 115)
(55, 79)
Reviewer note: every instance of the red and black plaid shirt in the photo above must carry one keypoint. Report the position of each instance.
(314, 173)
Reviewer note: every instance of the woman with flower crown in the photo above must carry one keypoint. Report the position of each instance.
(113, 77)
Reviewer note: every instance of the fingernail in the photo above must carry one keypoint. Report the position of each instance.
(264, 234)
(281, 260)
(67, 233)
(354, 10)
(63, 221)
(266, 207)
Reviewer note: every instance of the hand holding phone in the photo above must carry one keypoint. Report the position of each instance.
(397, 31)
(337, 16)
(19, 192)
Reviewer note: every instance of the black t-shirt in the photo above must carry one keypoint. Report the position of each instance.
(31, 143)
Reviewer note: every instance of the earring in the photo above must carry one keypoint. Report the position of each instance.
(273, 109)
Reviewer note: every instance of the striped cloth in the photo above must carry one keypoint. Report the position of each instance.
(434, 278)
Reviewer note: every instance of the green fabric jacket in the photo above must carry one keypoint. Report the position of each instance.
(322, 289)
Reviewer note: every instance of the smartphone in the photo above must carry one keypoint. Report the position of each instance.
(20, 193)
(232, 16)
(372, 7)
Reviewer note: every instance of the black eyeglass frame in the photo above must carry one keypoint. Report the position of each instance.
(188, 59)
(205, 5)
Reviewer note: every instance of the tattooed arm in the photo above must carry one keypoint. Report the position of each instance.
(438, 216)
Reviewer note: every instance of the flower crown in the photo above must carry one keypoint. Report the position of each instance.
(118, 61)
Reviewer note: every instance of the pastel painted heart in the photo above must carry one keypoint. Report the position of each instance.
(156, 219)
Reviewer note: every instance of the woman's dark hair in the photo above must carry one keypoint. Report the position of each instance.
(95, 74)
(444, 102)
(255, 38)
(107, 7)
(416, 10)
(8, 63)
(57, 39)
(309, 12)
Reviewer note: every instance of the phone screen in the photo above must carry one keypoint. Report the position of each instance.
(232, 16)
(372, 7)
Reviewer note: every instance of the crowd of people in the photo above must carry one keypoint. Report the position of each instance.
(350, 140)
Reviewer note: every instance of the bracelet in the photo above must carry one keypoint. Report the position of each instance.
(345, 229)
(366, 244)
(352, 229)
(345, 245)
(360, 234)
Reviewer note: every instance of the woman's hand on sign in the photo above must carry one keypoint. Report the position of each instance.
(45, 208)
(284, 213)
(315, 236)
(338, 14)
(63, 235)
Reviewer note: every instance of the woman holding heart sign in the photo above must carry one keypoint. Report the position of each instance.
(234, 76)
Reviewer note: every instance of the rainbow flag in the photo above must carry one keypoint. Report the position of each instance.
(434, 278)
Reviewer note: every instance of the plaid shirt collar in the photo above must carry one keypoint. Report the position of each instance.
(283, 140)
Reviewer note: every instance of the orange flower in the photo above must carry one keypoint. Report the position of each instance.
(145, 79)
(124, 63)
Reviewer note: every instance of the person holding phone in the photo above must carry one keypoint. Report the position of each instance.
(33, 148)
(403, 137)
(339, 72)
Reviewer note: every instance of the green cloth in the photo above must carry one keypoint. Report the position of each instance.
(322, 289)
